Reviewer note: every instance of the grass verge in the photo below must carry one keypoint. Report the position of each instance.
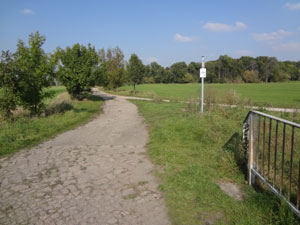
(55, 91)
(27, 132)
(286, 95)
(197, 153)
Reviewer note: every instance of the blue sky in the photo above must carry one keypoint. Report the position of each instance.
(162, 31)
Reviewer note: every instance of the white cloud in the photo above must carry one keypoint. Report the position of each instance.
(27, 11)
(178, 37)
(151, 59)
(293, 6)
(221, 27)
(277, 35)
(287, 47)
(243, 52)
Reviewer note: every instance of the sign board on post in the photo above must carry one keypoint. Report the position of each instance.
(203, 73)
(202, 76)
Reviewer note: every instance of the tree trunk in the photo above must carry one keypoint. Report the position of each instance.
(134, 88)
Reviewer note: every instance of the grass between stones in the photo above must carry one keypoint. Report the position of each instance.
(285, 95)
(62, 114)
(199, 152)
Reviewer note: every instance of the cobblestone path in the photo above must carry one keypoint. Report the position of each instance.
(95, 174)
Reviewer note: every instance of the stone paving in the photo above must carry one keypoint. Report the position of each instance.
(95, 174)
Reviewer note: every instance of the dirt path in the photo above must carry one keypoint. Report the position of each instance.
(95, 174)
(272, 109)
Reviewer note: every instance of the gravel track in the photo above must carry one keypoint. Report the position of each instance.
(98, 173)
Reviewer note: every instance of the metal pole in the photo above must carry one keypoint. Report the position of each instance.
(202, 87)
(202, 93)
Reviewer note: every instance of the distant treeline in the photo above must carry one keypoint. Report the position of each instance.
(25, 73)
(225, 70)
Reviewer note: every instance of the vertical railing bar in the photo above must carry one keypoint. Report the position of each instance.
(258, 142)
(264, 140)
(282, 158)
(287, 188)
(298, 191)
(275, 153)
(251, 177)
(291, 163)
(269, 148)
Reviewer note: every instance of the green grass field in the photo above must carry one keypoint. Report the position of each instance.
(64, 114)
(56, 90)
(196, 153)
(271, 94)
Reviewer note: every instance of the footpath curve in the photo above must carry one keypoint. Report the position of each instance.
(272, 109)
(95, 174)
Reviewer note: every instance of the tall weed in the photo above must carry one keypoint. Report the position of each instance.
(231, 97)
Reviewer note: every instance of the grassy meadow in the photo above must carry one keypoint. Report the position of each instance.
(196, 152)
(261, 94)
(61, 114)
(55, 91)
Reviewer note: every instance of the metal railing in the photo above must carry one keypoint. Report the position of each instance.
(273, 151)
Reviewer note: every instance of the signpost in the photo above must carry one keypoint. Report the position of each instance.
(202, 76)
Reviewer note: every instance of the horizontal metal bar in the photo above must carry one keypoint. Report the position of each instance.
(272, 117)
(276, 192)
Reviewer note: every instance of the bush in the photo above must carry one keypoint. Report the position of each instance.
(148, 80)
(251, 76)
(284, 77)
(8, 103)
(34, 71)
(8, 85)
(238, 80)
(61, 104)
(188, 78)
(23, 76)
(58, 108)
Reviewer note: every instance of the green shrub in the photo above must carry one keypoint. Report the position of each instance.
(8, 85)
(251, 76)
(58, 108)
(34, 72)
(76, 68)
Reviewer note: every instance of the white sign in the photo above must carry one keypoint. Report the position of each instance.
(203, 73)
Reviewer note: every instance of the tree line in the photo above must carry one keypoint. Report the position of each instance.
(226, 70)
(26, 72)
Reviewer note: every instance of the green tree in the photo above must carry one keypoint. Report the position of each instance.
(76, 68)
(100, 75)
(289, 70)
(8, 85)
(247, 63)
(212, 70)
(110, 73)
(136, 70)
(226, 69)
(115, 74)
(267, 66)
(35, 72)
(157, 72)
(178, 70)
(188, 78)
(194, 68)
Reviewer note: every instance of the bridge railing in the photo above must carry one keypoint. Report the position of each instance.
(272, 145)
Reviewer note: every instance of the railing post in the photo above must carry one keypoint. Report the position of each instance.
(251, 142)
(251, 176)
